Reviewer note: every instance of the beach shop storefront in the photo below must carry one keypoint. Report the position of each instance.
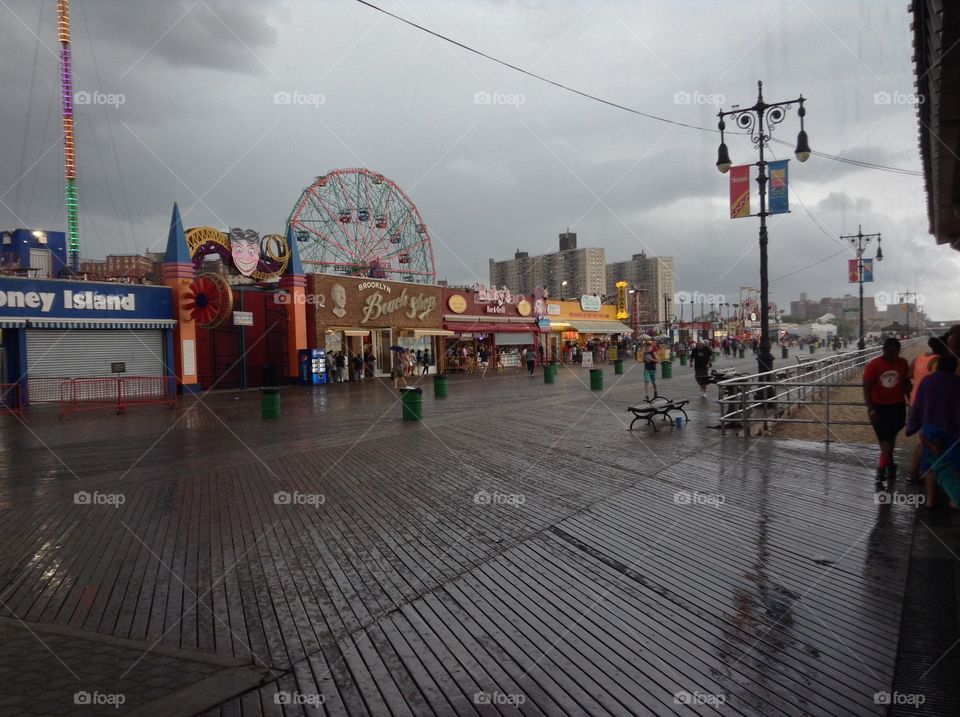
(54, 330)
(482, 320)
(577, 323)
(361, 316)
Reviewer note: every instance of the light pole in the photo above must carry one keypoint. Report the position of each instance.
(562, 284)
(752, 119)
(666, 314)
(906, 296)
(858, 241)
(635, 314)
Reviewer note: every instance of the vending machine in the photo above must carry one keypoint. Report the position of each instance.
(313, 367)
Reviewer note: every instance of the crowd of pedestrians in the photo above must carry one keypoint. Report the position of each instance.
(931, 386)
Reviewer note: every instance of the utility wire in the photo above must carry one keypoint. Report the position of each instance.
(615, 105)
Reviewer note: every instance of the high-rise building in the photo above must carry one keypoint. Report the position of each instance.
(583, 270)
(653, 277)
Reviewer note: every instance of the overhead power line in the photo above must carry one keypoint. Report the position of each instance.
(617, 105)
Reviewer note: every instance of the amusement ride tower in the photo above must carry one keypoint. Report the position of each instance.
(69, 155)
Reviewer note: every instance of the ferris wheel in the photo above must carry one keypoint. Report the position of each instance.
(356, 222)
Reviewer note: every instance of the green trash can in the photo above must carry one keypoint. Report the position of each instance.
(549, 372)
(666, 369)
(812, 347)
(683, 359)
(618, 366)
(596, 379)
(439, 385)
(412, 402)
(742, 351)
(270, 403)
(784, 352)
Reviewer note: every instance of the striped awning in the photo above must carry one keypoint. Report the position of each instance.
(102, 323)
(7, 322)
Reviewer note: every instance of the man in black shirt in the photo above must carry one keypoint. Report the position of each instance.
(702, 359)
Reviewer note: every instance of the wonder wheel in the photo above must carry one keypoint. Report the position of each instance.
(356, 222)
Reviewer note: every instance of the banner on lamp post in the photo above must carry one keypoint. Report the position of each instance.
(740, 191)
(853, 273)
(779, 203)
(867, 270)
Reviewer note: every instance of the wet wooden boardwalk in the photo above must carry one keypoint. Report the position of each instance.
(517, 552)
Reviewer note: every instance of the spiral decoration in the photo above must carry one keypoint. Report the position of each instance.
(209, 301)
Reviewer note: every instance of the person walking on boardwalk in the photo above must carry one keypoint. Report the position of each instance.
(702, 359)
(650, 362)
(426, 363)
(397, 370)
(921, 367)
(935, 413)
(528, 358)
(885, 390)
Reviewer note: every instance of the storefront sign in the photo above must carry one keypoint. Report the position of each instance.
(590, 303)
(243, 318)
(415, 306)
(553, 309)
(496, 310)
(362, 304)
(524, 308)
(499, 296)
(457, 304)
(75, 299)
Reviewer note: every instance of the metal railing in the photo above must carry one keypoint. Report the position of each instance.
(88, 394)
(756, 401)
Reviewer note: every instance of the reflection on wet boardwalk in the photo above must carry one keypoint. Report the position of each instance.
(518, 551)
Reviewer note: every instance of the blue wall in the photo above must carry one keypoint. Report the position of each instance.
(15, 248)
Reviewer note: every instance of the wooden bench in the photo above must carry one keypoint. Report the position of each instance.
(658, 406)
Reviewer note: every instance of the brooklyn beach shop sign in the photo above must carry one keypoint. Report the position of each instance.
(413, 307)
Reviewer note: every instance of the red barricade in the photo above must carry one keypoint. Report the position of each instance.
(11, 398)
(143, 390)
(90, 394)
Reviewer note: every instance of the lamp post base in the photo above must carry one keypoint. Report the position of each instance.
(764, 360)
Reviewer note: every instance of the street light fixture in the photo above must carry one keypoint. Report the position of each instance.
(562, 284)
(666, 314)
(752, 120)
(858, 241)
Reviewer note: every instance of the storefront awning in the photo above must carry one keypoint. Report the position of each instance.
(591, 327)
(347, 332)
(12, 323)
(487, 328)
(431, 332)
(102, 323)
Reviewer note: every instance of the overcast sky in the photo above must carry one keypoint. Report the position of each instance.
(186, 113)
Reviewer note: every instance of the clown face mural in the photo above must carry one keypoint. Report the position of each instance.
(245, 249)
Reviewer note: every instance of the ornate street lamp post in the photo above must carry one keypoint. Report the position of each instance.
(759, 121)
(858, 241)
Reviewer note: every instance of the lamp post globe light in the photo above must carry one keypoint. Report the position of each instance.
(859, 241)
(759, 121)
(562, 284)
